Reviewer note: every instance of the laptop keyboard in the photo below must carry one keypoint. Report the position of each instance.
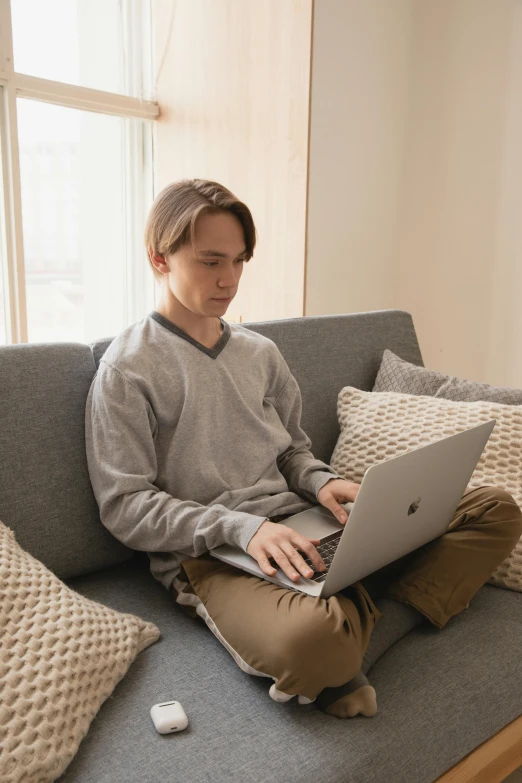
(326, 549)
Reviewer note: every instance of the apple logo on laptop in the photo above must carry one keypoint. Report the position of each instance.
(414, 506)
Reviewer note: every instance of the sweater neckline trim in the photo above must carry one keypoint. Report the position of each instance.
(213, 353)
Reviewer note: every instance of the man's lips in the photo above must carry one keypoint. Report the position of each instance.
(222, 299)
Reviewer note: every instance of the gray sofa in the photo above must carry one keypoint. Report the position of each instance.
(440, 693)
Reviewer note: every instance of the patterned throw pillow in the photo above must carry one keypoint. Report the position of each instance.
(397, 375)
(61, 656)
(378, 427)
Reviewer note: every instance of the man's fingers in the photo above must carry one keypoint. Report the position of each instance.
(283, 562)
(340, 513)
(280, 548)
(266, 567)
(298, 562)
(336, 509)
(307, 546)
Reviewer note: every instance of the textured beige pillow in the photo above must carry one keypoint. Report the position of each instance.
(61, 656)
(378, 426)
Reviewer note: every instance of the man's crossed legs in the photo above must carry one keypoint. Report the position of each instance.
(315, 647)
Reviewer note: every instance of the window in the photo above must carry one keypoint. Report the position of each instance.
(76, 141)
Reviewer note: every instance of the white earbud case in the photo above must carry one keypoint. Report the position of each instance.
(168, 717)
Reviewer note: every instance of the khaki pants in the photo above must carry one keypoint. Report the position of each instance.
(306, 643)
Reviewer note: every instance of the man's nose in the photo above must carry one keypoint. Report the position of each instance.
(229, 279)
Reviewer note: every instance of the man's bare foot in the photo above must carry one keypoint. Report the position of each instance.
(353, 698)
(363, 701)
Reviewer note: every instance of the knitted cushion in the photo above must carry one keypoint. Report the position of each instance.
(61, 656)
(378, 427)
(397, 375)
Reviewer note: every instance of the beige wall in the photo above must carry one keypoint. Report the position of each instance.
(416, 174)
(234, 87)
(459, 261)
(360, 77)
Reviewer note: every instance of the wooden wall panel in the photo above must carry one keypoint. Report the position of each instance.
(234, 86)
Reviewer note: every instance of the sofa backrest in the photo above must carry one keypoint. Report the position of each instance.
(45, 493)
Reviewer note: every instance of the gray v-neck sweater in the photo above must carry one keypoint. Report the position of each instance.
(189, 447)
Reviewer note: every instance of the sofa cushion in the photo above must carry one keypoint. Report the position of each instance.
(45, 492)
(61, 656)
(397, 375)
(377, 427)
(440, 694)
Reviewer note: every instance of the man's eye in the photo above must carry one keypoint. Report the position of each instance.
(213, 263)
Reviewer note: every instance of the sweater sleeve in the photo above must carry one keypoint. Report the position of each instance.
(119, 433)
(304, 474)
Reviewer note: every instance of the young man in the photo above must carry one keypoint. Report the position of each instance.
(193, 439)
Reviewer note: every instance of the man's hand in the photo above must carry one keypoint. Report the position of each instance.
(274, 539)
(337, 491)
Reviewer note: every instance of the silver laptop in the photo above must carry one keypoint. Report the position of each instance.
(402, 504)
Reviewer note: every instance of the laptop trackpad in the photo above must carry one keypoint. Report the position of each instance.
(314, 523)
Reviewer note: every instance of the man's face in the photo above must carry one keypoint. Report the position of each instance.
(196, 279)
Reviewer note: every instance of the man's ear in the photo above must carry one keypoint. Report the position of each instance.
(159, 261)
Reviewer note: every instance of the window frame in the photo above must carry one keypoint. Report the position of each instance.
(15, 85)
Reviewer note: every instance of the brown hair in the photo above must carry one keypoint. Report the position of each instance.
(172, 218)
